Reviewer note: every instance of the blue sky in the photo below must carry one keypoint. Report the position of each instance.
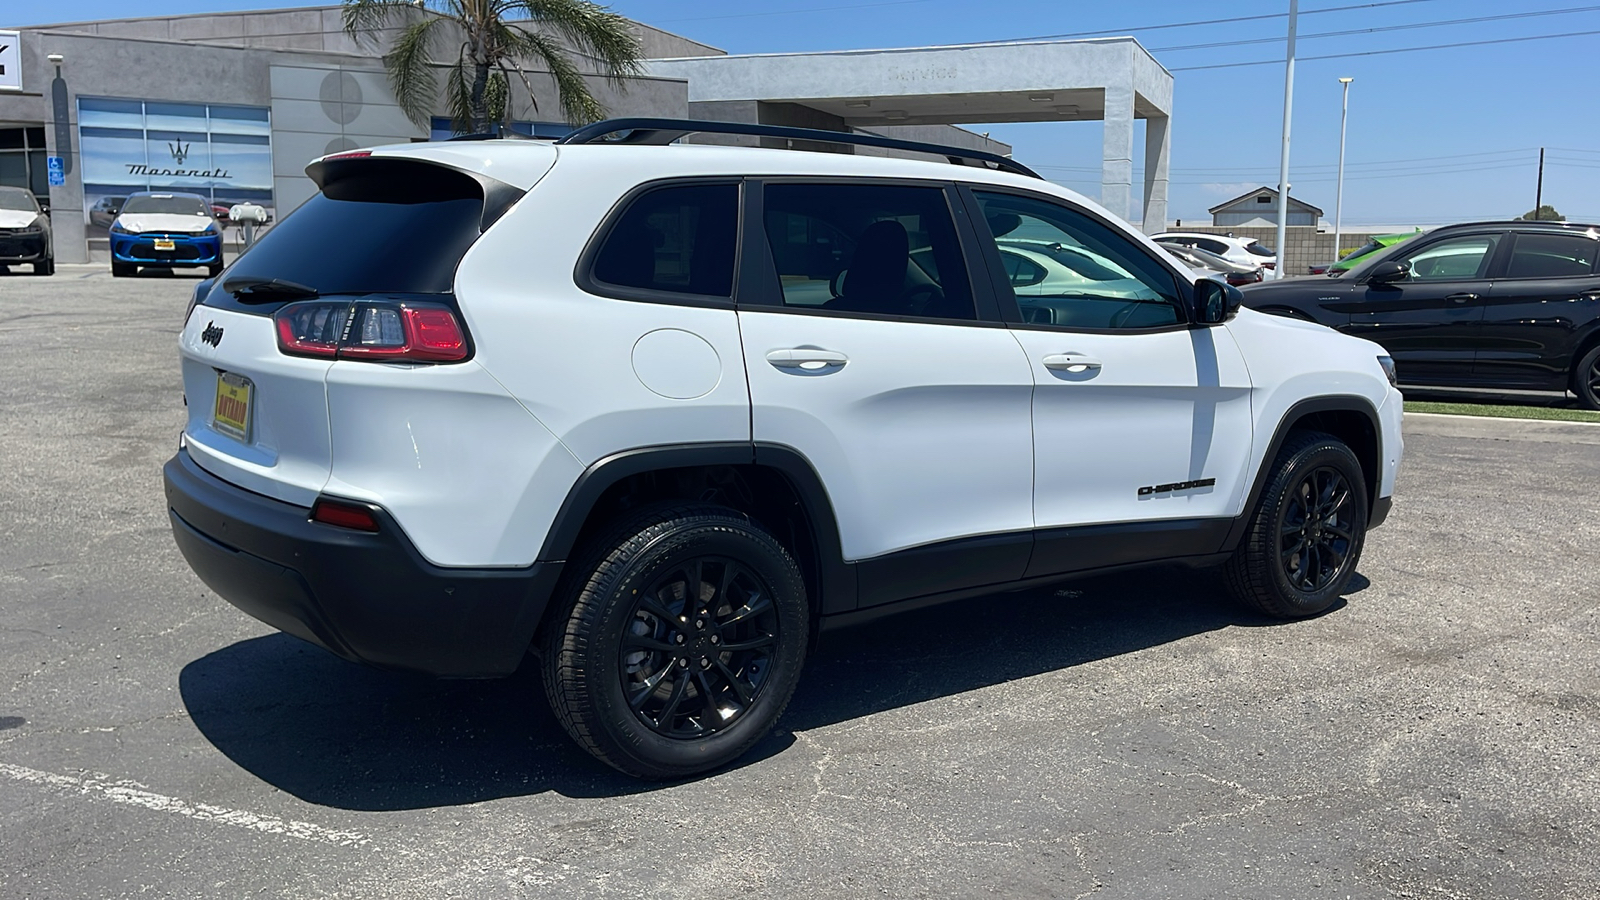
(1435, 136)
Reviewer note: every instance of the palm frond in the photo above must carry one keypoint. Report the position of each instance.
(458, 95)
(591, 28)
(410, 69)
(365, 20)
(577, 105)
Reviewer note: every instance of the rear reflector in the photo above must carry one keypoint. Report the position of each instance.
(371, 330)
(344, 515)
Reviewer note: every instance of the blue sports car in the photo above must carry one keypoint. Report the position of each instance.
(169, 230)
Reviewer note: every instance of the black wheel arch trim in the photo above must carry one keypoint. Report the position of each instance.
(837, 578)
(1340, 403)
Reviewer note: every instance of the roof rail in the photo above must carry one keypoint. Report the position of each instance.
(665, 131)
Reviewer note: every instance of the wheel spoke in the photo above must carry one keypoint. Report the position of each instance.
(729, 572)
(750, 611)
(637, 701)
(733, 681)
(679, 688)
(765, 640)
(650, 605)
(1338, 531)
(709, 697)
(648, 643)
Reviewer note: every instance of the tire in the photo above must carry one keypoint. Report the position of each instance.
(1586, 379)
(123, 270)
(214, 271)
(1282, 566)
(626, 632)
(48, 267)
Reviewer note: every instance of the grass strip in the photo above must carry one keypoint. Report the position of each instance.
(1504, 412)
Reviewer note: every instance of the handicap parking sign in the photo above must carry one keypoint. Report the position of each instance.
(58, 171)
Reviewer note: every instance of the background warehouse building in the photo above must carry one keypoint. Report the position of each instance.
(234, 105)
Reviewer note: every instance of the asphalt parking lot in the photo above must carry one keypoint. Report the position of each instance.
(1137, 736)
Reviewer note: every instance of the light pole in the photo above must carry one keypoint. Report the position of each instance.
(1283, 160)
(1338, 197)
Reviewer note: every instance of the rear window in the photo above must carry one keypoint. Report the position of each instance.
(381, 226)
(1256, 248)
(174, 204)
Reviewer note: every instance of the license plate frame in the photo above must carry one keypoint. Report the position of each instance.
(233, 410)
(166, 244)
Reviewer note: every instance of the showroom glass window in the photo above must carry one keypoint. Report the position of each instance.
(886, 250)
(22, 161)
(221, 152)
(1093, 277)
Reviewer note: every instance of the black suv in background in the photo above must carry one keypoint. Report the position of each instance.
(1485, 304)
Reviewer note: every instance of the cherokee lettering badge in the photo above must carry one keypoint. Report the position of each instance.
(1176, 486)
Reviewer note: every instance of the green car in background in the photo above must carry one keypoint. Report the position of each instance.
(1362, 253)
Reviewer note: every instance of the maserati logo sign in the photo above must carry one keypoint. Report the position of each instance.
(179, 151)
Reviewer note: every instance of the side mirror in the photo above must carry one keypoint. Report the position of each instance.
(1215, 302)
(1388, 272)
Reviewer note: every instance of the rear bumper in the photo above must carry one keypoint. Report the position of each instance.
(366, 597)
(187, 251)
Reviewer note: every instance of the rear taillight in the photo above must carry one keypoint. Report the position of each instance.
(371, 330)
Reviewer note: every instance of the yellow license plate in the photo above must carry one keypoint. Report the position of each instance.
(231, 415)
(165, 245)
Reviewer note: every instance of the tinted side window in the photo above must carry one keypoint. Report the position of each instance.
(1453, 259)
(1552, 256)
(1094, 277)
(680, 239)
(867, 248)
(1020, 270)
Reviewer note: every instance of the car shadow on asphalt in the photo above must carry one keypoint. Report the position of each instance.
(346, 736)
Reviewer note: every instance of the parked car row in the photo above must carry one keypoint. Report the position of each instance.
(1245, 251)
(1503, 305)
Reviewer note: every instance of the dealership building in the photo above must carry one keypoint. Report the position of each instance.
(233, 106)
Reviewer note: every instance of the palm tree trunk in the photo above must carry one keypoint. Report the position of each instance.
(480, 103)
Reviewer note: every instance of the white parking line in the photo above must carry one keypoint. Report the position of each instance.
(122, 792)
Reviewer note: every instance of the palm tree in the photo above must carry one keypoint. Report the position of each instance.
(493, 39)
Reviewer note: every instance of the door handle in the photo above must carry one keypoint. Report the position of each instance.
(1591, 295)
(1075, 363)
(1461, 298)
(808, 358)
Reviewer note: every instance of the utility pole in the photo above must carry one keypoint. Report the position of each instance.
(1283, 161)
(1338, 197)
(1538, 194)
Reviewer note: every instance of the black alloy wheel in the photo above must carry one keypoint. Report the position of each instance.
(1586, 379)
(1306, 532)
(676, 640)
(698, 648)
(1315, 530)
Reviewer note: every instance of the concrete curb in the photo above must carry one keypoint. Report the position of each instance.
(1501, 429)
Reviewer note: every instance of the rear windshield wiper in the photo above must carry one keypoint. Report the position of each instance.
(245, 287)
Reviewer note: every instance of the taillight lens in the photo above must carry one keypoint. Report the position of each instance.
(344, 515)
(371, 330)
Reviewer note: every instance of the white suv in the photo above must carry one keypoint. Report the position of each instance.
(658, 414)
(1244, 251)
